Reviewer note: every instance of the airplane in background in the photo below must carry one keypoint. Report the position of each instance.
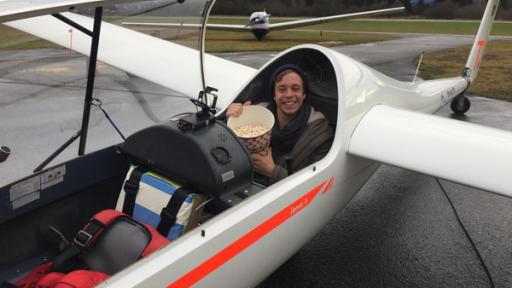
(259, 22)
(376, 119)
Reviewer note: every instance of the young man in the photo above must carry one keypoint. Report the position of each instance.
(300, 136)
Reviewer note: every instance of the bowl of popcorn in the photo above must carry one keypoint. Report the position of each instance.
(253, 128)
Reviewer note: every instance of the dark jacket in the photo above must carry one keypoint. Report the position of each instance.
(313, 145)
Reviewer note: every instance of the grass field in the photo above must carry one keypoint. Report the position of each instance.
(217, 41)
(382, 25)
(13, 39)
(280, 40)
(494, 78)
(369, 25)
(416, 27)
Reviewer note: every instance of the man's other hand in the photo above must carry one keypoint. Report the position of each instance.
(263, 164)
(236, 109)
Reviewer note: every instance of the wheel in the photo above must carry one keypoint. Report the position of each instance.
(460, 106)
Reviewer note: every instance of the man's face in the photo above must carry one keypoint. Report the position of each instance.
(289, 94)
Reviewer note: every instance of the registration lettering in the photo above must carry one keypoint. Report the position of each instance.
(299, 206)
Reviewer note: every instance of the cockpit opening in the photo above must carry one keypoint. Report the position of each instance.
(300, 89)
(319, 72)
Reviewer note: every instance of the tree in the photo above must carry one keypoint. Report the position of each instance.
(407, 5)
(504, 4)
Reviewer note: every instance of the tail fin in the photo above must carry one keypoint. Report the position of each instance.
(481, 39)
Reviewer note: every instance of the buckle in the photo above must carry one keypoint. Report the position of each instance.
(82, 238)
(130, 187)
(168, 215)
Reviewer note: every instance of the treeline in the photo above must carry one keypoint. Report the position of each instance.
(450, 10)
(299, 7)
(456, 9)
(442, 9)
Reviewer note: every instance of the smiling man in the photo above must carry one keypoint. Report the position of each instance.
(300, 136)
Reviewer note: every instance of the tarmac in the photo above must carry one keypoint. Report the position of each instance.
(399, 231)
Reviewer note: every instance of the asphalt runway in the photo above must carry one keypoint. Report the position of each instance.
(399, 231)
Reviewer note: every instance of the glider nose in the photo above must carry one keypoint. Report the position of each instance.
(4, 153)
(259, 33)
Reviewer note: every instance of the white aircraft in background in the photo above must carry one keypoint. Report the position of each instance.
(376, 119)
(259, 22)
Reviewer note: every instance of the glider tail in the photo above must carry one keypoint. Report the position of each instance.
(481, 39)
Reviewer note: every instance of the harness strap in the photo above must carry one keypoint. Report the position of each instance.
(131, 188)
(65, 261)
(169, 212)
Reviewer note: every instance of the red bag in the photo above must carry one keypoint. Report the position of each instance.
(35, 275)
(75, 279)
(84, 263)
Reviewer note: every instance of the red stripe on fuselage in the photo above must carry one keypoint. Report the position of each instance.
(328, 187)
(247, 240)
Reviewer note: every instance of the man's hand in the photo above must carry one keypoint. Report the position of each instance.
(236, 109)
(263, 164)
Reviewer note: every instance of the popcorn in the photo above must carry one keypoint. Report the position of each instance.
(250, 130)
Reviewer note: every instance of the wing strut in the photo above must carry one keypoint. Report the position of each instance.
(73, 24)
(91, 74)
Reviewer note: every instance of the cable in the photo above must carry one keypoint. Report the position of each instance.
(96, 88)
(97, 102)
(467, 234)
